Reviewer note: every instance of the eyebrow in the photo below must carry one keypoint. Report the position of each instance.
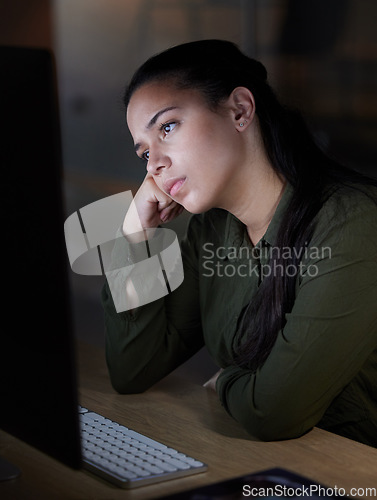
(153, 120)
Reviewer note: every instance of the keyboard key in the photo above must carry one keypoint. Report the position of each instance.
(177, 463)
(166, 466)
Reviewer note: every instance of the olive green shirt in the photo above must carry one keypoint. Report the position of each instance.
(322, 369)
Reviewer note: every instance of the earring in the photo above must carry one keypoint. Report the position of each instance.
(242, 124)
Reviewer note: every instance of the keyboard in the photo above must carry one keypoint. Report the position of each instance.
(127, 458)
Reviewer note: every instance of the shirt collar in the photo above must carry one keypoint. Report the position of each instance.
(235, 229)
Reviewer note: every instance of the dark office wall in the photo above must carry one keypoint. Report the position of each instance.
(328, 67)
(26, 23)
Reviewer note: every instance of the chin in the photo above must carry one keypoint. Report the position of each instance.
(197, 204)
(196, 208)
(193, 210)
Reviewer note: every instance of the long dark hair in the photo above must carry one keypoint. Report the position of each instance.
(215, 68)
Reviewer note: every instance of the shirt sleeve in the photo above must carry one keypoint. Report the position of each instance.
(145, 345)
(328, 336)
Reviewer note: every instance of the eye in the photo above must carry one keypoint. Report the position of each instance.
(145, 155)
(168, 127)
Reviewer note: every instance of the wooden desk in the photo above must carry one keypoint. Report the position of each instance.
(187, 417)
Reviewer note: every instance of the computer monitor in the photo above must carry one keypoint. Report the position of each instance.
(38, 392)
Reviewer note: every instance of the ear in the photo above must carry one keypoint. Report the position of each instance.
(242, 105)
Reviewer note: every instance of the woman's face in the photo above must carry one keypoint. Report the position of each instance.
(192, 152)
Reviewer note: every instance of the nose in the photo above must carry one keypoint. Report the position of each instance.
(157, 162)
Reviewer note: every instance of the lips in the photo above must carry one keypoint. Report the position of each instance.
(172, 186)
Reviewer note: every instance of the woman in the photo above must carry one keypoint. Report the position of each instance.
(280, 260)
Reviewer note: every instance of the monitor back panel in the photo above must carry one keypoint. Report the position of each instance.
(38, 394)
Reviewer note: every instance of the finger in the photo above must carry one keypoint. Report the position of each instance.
(169, 207)
(166, 204)
(161, 198)
(171, 212)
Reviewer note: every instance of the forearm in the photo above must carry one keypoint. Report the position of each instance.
(142, 348)
(145, 344)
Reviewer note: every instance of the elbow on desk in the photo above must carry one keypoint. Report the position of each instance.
(128, 386)
(128, 383)
(277, 426)
(268, 433)
(125, 388)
